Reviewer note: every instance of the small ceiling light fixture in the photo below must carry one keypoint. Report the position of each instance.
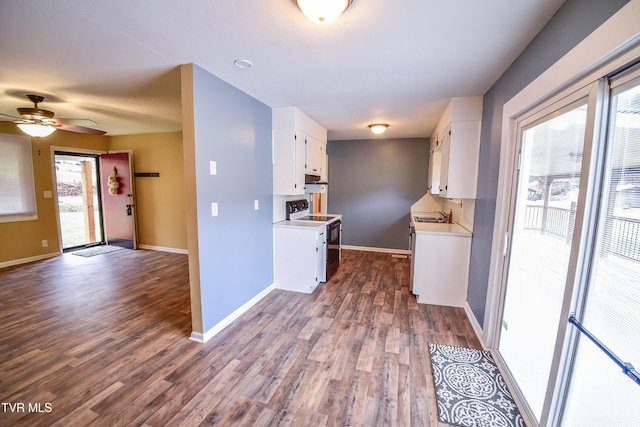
(323, 11)
(242, 63)
(36, 130)
(378, 128)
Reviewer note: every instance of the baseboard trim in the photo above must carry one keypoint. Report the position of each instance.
(372, 249)
(164, 249)
(203, 338)
(30, 259)
(474, 323)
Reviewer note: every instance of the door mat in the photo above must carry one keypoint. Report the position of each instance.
(470, 390)
(97, 250)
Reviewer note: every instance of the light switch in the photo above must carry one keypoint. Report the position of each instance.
(213, 168)
(48, 194)
(214, 209)
(256, 204)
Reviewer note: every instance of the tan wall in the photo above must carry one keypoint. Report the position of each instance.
(23, 239)
(161, 209)
(160, 201)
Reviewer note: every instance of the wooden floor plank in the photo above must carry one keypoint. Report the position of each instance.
(104, 340)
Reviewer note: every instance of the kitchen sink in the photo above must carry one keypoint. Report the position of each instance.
(429, 219)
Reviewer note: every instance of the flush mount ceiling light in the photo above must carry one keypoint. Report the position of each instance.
(323, 11)
(378, 128)
(242, 63)
(36, 130)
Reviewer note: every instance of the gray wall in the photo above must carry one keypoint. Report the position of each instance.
(235, 247)
(575, 20)
(373, 183)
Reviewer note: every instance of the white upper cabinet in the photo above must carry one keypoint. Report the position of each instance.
(454, 157)
(291, 156)
(435, 161)
(315, 150)
(288, 161)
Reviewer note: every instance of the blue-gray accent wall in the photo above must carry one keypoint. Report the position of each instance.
(236, 247)
(373, 183)
(575, 20)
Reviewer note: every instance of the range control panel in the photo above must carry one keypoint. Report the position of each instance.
(295, 206)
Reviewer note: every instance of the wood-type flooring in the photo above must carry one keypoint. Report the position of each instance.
(103, 341)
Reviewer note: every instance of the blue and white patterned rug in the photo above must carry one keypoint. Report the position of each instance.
(470, 390)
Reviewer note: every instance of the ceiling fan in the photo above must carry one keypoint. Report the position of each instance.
(36, 121)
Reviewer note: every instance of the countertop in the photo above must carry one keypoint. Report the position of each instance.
(301, 224)
(438, 228)
(310, 224)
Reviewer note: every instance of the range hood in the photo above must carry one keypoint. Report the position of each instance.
(314, 184)
(314, 179)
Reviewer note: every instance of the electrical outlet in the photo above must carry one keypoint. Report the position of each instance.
(256, 204)
(45, 243)
(214, 209)
(213, 168)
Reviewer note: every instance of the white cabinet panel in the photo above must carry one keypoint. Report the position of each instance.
(298, 257)
(314, 156)
(435, 161)
(321, 257)
(441, 268)
(292, 158)
(454, 154)
(460, 150)
(288, 162)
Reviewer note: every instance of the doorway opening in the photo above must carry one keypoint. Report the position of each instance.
(79, 200)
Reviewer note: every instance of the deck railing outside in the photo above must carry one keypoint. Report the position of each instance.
(623, 238)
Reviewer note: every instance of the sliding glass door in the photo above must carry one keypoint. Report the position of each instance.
(78, 199)
(569, 329)
(543, 219)
(599, 393)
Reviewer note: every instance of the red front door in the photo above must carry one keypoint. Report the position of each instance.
(117, 199)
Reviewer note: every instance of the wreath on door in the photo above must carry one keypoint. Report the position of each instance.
(113, 183)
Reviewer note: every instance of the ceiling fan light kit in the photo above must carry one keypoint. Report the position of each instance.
(36, 130)
(323, 11)
(378, 128)
(37, 122)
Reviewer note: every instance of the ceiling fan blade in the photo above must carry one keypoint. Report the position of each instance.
(73, 122)
(80, 129)
(12, 117)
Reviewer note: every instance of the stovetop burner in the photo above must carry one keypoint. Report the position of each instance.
(316, 218)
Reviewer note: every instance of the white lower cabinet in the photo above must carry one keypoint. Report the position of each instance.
(300, 257)
(441, 268)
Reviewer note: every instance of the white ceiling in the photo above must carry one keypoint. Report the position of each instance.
(115, 62)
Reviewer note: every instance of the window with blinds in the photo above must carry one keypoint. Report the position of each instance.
(17, 193)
